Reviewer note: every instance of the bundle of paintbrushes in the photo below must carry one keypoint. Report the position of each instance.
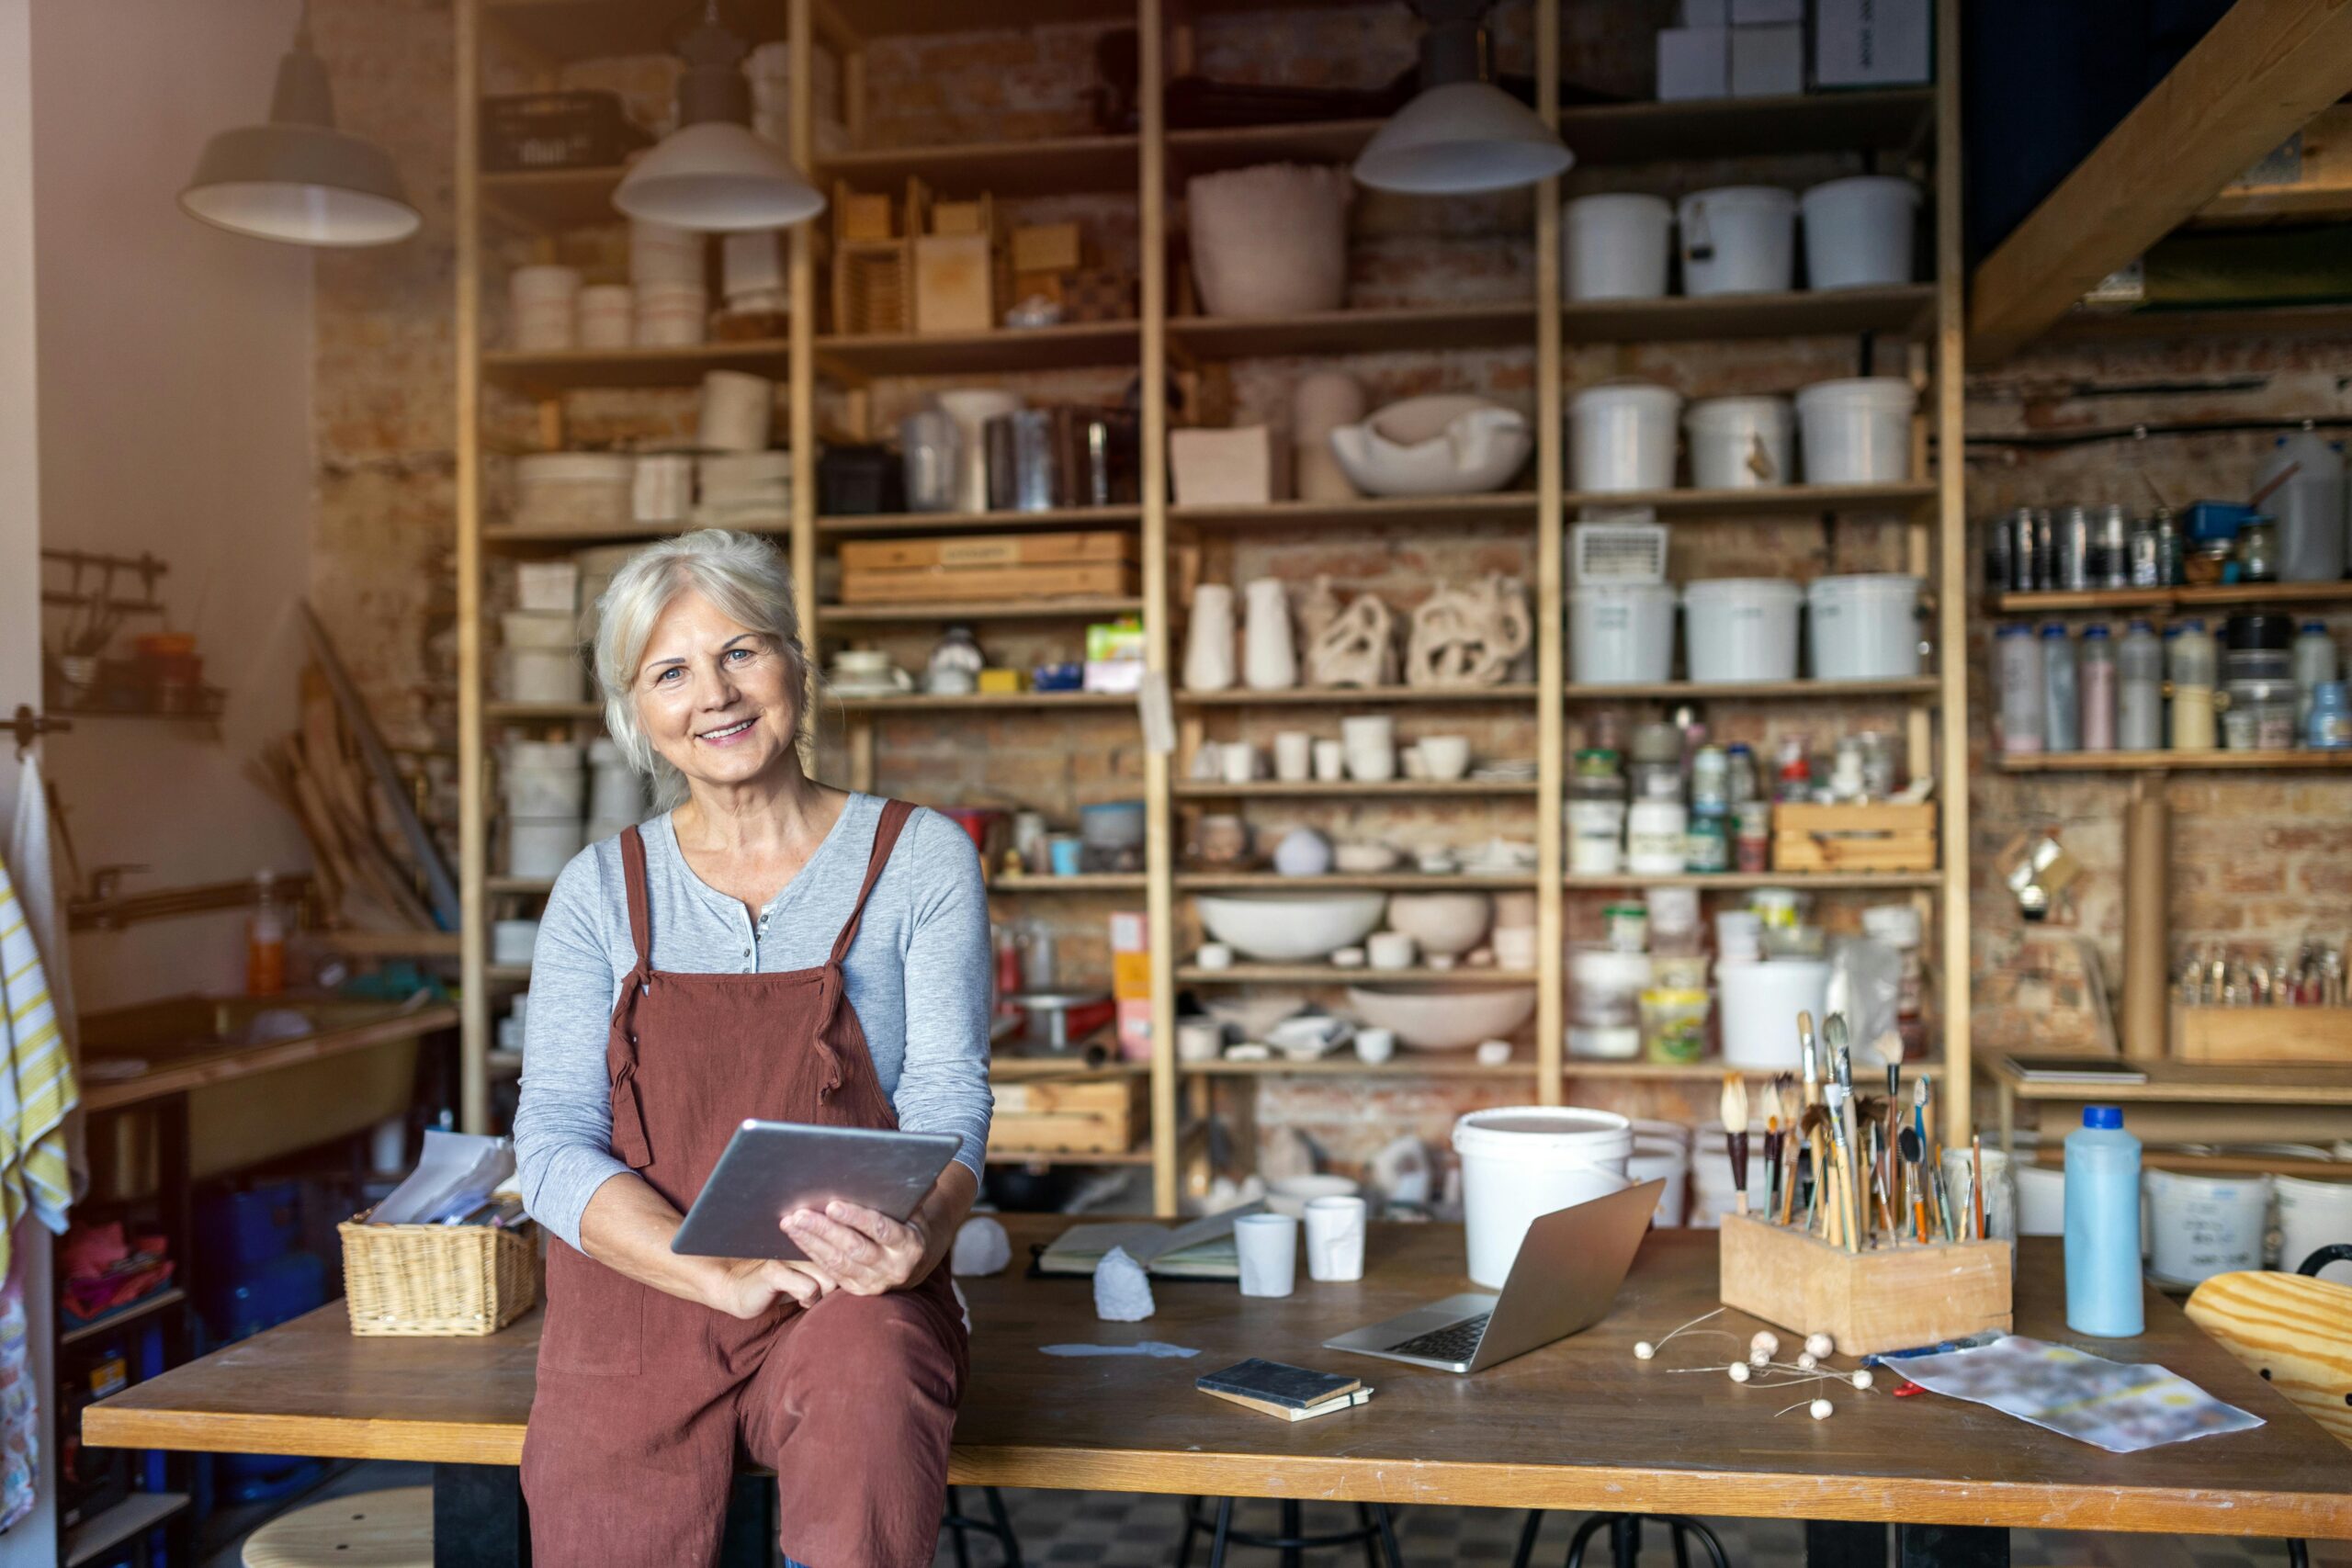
(1856, 1232)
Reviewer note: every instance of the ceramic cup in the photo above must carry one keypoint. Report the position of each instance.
(1514, 947)
(1389, 950)
(1346, 958)
(1199, 1039)
(1213, 956)
(1268, 1247)
(1330, 761)
(1294, 755)
(1237, 761)
(1376, 1045)
(1062, 853)
(1444, 756)
(1335, 1229)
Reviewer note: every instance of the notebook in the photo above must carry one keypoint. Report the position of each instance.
(1281, 1390)
(1200, 1249)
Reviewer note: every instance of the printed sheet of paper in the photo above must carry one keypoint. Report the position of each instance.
(2120, 1406)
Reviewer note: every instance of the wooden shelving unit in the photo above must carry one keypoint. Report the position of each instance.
(2220, 596)
(2171, 762)
(1916, 328)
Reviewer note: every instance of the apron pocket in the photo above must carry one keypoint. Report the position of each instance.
(596, 1317)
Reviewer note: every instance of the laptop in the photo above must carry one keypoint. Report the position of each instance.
(1564, 1280)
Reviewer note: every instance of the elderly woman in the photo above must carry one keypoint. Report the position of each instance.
(770, 947)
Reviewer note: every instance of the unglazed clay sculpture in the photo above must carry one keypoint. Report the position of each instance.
(1357, 648)
(1469, 636)
(1209, 643)
(1270, 650)
(1318, 610)
(1270, 241)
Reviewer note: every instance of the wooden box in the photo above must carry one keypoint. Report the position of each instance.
(954, 284)
(870, 293)
(1048, 247)
(986, 550)
(1881, 837)
(990, 585)
(858, 215)
(2262, 1035)
(1887, 1299)
(1069, 1115)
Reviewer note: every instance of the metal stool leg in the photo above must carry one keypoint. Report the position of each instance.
(1684, 1526)
(1388, 1523)
(955, 1529)
(1224, 1529)
(1191, 1526)
(1584, 1532)
(1292, 1556)
(1526, 1553)
(1371, 1546)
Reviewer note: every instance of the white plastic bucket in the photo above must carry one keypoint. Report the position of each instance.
(540, 846)
(544, 301)
(1865, 625)
(1741, 443)
(1665, 1159)
(1759, 1003)
(2313, 1215)
(1618, 246)
(540, 629)
(1521, 1162)
(2204, 1225)
(1738, 240)
(2042, 1199)
(1857, 232)
(1621, 634)
(510, 942)
(544, 792)
(1740, 629)
(1856, 430)
(1623, 437)
(544, 675)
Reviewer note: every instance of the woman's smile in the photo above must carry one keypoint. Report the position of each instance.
(727, 735)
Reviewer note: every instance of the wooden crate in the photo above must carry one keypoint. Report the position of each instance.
(1092, 1116)
(990, 584)
(1854, 838)
(1888, 1299)
(2262, 1035)
(1000, 549)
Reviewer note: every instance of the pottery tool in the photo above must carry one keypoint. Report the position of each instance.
(1893, 1115)
(1735, 1112)
(1911, 1150)
(1842, 1116)
(1976, 1180)
(1809, 1062)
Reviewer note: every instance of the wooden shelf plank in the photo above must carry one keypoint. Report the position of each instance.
(1377, 331)
(1342, 1063)
(169, 1296)
(570, 369)
(1078, 882)
(1711, 1070)
(552, 199)
(984, 701)
(1900, 501)
(1721, 128)
(1405, 881)
(1049, 1156)
(880, 354)
(2181, 598)
(1384, 512)
(1027, 1069)
(1047, 166)
(2171, 762)
(564, 30)
(978, 522)
(1740, 881)
(1081, 607)
(1756, 690)
(1332, 974)
(520, 712)
(2199, 1082)
(1210, 789)
(1908, 310)
(540, 540)
(519, 884)
(111, 1527)
(1358, 696)
(2330, 322)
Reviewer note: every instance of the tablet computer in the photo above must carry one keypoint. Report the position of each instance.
(769, 1169)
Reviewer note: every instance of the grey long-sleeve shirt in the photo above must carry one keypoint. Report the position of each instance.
(918, 976)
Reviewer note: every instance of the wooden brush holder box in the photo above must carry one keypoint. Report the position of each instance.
(1885, 1299)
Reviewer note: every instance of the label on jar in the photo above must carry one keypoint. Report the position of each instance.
(1706, 846)
(1595, 832)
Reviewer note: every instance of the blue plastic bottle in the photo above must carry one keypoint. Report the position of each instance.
(2103, 1226)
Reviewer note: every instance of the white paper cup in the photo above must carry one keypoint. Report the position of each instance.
(1199, 1040)
(1267, 1244)
(1446, 757)
(1238, 760)
(1389, 950)
(1330, 761)
(1335, 1238)
(1376, 1045)
(1294, 755)
(1213, 956)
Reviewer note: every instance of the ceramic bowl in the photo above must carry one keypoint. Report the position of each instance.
(1289, 928)
(1445, 1019)
(1291, 1194)
(1442, 922)
(1447, 443)
(1360, 858)
(1253, 1014)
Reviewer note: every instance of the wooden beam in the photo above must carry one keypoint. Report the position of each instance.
(2265, 69)
(473, 805)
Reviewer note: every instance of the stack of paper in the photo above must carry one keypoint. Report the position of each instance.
(452, 1184)
(1201, 1249)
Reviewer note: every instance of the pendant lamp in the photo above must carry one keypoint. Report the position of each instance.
(298, 179)
(713, 172)
(1462, 134)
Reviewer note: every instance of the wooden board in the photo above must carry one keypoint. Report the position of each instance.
(2296, 1333)
(2263, 1034)
(926, 585)
(1069, 1115)
(1006, 549)
(1579, 1424)
(1891, 1298)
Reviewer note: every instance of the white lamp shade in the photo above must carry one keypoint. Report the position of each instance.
(1460, 138)
(303, 184)
(718, 175)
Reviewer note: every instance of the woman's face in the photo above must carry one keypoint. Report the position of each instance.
(719, 702)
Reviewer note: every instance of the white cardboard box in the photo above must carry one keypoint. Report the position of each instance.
(1694, 62)
(1225, 468)
(1767, 62)
(1872, 43)
(1752, 12)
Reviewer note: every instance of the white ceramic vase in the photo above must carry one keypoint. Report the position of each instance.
(1269, 661)
(1270, 241)
(1319, 404)
(1208, 641)
(971, 408)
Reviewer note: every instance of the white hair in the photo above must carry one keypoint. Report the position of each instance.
(743, 574)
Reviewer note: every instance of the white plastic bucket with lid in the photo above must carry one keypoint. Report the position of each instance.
(544, 675)
(544, 792)
(540, 846)
(2313, 1215)
(1856, 430)
(1759, 1003)
(2042, 1199)
(1664, 1159)
(1865, 625)
(1713, 1194)
(1618, 246)
(1741, 443)
(1857, 232)
(510, 942)
(1738, 240)
(1623, 437)
(2204, 1225)
(1740, 629)
(1621, 634)
(1521, 1162)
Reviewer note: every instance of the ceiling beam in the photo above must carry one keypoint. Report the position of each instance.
(2265, 68)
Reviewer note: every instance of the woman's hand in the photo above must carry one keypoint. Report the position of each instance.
(867, 1253)
(746, 1287)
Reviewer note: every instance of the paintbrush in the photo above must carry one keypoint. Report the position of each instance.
(1833, 1035)
(1815, 1127)
(1893, 1117)
(1734, 1112)
(1809, 1063)
(1911, 1149)
(1841, 1111)
(1976, 1178)
(1774, 1109)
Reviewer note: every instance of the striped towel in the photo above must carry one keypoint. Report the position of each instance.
(36, 1082)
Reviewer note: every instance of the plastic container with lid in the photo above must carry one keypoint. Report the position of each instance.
(1738, 240)
(2260, 715)
(1857, 430)
(2140, 690)
(1621, 634)
(2314, 664)
(1674, 1024)
(1740, 629)
(1857, 232)
(2103, 1287)
(1740, 442)
(2061, 699)
(2017, 660)
(1622, 437)
(2307, 504)
(1656, 831)
(1521, 1162)
(574, 490)
(2328, 726)
(1865, 625)
(2193, 659)
(1605, 984)
(2097, 681)
(1617, 245)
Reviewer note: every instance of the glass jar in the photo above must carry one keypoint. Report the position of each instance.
(2207, 564)
(2258, 551)
(1674, 1024)
(1707, 842)
(2329, 725)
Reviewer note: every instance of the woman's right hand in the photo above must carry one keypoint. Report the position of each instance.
(746, 1287)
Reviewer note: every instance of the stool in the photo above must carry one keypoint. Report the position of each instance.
(1624, 1539)
(392, 1529)
(1376, 1528)
(996, 1526)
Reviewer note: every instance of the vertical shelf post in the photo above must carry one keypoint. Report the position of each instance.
(473, 808)
(1551, 528)
(1952, 584)
(801, 388)
(1160, 863)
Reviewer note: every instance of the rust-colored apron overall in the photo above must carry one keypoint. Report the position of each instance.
(642, 1397)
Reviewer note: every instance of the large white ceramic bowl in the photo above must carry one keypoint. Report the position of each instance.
(1447, 1019)
(1446, 444)
(1289, 928)
(1442, 922)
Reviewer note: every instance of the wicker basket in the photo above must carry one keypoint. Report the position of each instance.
(437, 1280)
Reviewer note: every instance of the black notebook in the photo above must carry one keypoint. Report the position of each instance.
(1277, 1387)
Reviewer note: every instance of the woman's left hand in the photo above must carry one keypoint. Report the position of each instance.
(867, 1252)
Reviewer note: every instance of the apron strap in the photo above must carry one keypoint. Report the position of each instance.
(834, 985)
(629, 1142)
(640, 905)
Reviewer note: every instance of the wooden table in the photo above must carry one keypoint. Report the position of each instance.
(1578, 1425)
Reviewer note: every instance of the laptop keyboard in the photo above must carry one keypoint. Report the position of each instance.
(1454, 1342)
